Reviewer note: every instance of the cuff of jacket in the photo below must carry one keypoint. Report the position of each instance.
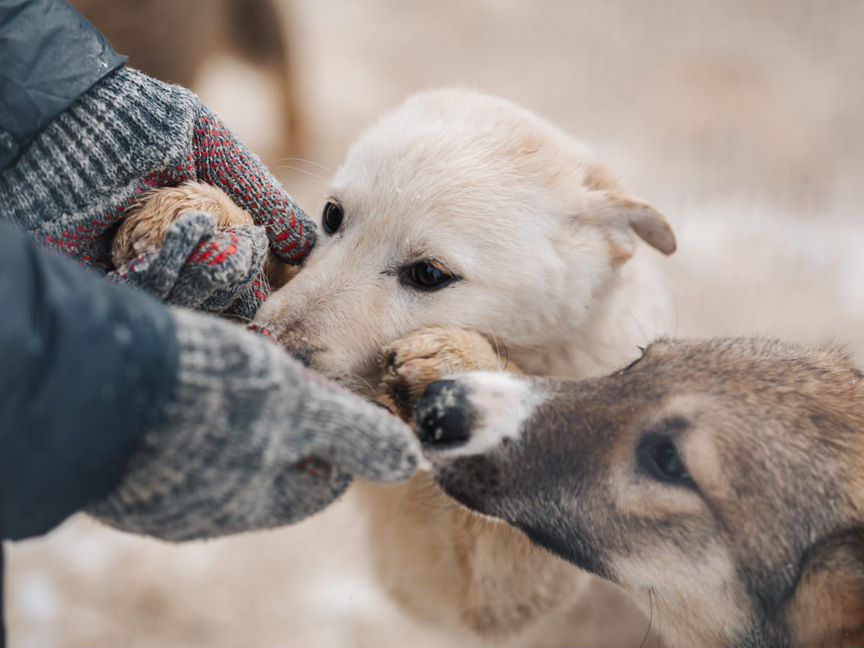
(51, 56)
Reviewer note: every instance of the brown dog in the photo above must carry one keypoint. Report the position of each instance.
(720, 482)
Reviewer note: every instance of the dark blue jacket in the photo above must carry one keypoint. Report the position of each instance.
(85, 368)
(49, 56)
(83, 363)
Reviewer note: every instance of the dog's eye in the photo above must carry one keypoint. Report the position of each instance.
(332, 218)
(427, 275)
(658, 456)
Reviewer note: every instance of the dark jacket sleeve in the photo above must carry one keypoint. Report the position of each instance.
(49, 56)
(85, 368)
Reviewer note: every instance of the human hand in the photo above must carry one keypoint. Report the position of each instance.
(128, 135)
(252, 440)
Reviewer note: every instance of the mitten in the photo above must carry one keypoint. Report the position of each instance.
(251, 440)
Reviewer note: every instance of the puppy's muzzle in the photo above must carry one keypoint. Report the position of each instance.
(444, 415)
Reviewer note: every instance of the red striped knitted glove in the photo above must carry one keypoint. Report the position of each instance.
(127, 135)
(222, 160)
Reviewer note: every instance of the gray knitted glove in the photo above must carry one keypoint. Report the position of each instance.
(127, 135)
(200, 266)
(252, 440)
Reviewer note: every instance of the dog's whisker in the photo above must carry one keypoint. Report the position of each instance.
(650, 618)
(311, 174)
(355, 383)
(497, 352)
(304, 161)
(306, 183)
(500, 351)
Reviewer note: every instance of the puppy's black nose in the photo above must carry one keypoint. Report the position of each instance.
(444, 415)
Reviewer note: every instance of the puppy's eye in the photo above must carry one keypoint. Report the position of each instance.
(332, 218)
(658, 456)
(427, 275)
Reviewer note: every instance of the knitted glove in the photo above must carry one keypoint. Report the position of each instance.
(126, 135)
(202, 267)
(252, 440)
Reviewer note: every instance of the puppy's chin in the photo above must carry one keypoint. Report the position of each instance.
(472, 481)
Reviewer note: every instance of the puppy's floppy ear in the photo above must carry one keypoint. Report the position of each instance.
(623, 216)
(827, 607)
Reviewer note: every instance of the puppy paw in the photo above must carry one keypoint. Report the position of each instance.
(411, 363)
(149, 220)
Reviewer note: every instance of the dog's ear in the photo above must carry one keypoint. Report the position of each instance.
(622, 216)
(827, 607)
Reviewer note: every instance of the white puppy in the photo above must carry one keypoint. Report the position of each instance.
(466, 210)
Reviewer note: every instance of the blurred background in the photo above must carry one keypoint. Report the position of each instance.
(742, 121)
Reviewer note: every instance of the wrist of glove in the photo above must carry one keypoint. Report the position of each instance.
(252, 440)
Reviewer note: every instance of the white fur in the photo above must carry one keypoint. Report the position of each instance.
(501, 403)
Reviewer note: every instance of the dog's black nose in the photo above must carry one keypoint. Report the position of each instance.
(444, 415)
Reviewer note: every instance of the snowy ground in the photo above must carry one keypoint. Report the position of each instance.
(742, 121)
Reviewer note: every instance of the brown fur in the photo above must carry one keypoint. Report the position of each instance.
(767, 546)
(149, 220)
(411, 363)
(618, 254)
(828, 606)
